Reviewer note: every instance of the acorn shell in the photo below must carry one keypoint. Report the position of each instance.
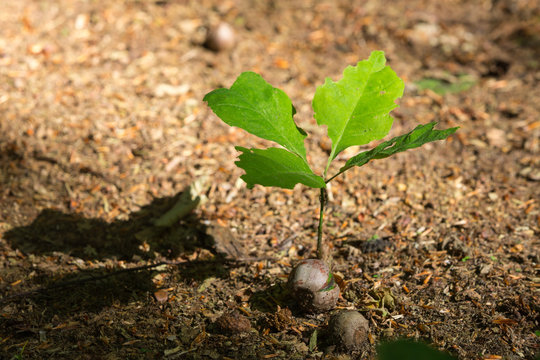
(348, 330)
(313, 287)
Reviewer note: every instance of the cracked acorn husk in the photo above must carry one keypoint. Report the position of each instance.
(313, 287)
(348, 330)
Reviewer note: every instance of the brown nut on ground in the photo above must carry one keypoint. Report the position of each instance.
(313, 287)
(233, 323)
(220, 37)
(348, 330)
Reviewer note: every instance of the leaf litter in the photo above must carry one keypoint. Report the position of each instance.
(104, 126)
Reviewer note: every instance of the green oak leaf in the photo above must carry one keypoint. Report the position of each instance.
(257, 107)
(409, 350)
(356, 108)
(276, 167)
(419, 136)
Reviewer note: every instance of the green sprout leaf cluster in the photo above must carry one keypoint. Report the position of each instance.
(257, 107)
(355, 110)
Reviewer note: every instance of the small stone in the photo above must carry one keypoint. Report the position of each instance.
(233, 323)
(220, 38)
(349, 330)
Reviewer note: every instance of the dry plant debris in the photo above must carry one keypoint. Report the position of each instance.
(103, 127)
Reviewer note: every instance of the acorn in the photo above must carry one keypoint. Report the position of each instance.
(313, 287)
(233, 323)
(348, 330)
(220, 38)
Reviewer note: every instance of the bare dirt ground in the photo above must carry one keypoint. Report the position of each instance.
(102, 127)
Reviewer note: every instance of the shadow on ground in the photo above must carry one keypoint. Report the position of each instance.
(95, 239)
(63, 289)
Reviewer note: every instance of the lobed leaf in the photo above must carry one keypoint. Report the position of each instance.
(356, 108)
(257, 107)
(421, 135)
(276, 167)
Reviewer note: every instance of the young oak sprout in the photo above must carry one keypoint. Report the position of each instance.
(355, 110)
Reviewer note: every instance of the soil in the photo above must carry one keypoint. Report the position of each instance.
(102, 128)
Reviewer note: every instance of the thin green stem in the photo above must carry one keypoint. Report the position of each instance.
(322, 199)
(336, 175)
(330, 158)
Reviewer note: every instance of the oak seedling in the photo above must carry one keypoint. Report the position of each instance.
(356, 111)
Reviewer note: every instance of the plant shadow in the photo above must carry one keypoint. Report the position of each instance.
(63, 289)
(272, 297)
(96, 239)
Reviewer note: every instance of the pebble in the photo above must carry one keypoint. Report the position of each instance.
(220, 38)
(233, 323)
(349, 330)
